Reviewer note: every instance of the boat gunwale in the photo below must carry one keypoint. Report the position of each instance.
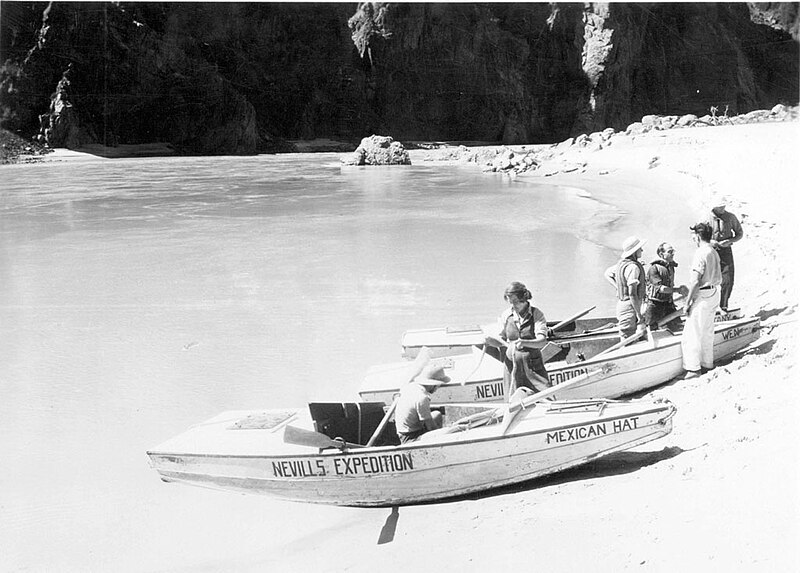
(412, 445)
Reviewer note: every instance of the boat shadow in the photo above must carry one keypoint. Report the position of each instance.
(616, 464)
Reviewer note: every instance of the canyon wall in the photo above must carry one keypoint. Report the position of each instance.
(228, 78)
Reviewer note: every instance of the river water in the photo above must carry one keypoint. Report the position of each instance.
(140, 296)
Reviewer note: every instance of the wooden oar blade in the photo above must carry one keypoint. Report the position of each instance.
(302, 437)
(572, 318)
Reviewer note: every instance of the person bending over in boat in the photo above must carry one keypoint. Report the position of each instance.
(660, 288)
(524, 329)
(413, 416)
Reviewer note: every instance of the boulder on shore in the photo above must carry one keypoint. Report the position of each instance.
(379, 150)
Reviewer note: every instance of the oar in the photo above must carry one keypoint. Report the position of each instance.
(478, 365)
(516, 407)
(418, 365)
(604, 370)
(563, 323)
(624, 342)
(299, 436)
(559, 326)
(671, 316)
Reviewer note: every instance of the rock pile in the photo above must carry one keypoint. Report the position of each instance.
(379, 150)
(554, 159)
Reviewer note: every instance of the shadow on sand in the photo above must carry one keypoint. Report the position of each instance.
(619, 463)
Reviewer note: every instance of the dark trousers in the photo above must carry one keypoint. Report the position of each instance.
(726, 266)
(526, 369)
(658, 309)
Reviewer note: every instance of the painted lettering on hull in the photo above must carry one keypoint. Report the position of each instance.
(564, 375)
(726, 316)
(298, 468)
(591, 431)
(489, 391)
(733, 333)
(344, 466)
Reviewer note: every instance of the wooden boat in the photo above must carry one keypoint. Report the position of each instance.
(478, 376)
(452, 340)
(316, 454)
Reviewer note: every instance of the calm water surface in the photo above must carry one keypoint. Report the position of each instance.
(140, 296)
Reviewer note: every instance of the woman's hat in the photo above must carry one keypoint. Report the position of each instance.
(432, 375)
(631, 245)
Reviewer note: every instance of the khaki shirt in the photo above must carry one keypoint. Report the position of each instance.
(413, 408)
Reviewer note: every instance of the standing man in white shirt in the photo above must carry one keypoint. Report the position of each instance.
(702, 302)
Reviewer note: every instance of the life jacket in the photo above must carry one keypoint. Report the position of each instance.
(622, 286)
(667, 273)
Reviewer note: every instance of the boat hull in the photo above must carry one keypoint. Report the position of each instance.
(453, 341)
(541, 440)
(634, 368)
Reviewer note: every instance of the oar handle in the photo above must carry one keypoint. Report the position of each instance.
(420, 362)
(383, 423)
(563, 323)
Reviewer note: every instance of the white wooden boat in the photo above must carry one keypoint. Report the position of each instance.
(453, 340)
(478, 377)
(315, 456)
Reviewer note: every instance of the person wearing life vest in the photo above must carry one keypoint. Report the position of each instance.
(523, 327)
(628, 277)
(660, 289)
(725, 230)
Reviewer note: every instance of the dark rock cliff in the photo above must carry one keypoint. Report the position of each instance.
(243, 78)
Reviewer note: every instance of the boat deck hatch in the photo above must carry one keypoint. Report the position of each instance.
(462, 329)
(264, 421)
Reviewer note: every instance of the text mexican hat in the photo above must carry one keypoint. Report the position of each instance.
(432, 375)
(631, 245)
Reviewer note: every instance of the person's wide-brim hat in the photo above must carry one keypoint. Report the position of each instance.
(432, 375)
(631, 245)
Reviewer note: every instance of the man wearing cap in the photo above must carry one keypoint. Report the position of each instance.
(413, 416)
(725, 230)
(660, 288)
(628, 278)
(697, 343)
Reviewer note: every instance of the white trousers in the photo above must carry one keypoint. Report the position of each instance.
(697, 343)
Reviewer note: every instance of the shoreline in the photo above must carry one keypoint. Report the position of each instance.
(721, 491)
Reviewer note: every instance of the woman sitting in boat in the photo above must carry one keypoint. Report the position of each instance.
(413, 416)
(523, 327)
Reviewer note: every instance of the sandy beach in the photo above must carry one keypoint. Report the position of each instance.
(720, 492)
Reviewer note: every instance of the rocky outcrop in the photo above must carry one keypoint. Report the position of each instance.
(379, 150)
(249, 77)
(565, 157)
